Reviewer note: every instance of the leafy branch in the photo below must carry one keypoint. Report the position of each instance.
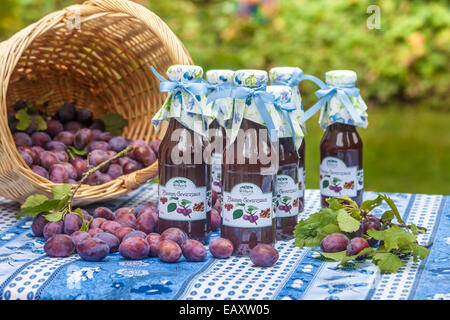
(396, 240)
(63, 197)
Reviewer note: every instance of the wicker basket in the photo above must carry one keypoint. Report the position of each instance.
(99, 54)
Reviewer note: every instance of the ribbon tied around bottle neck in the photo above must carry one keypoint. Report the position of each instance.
(219, 91)
(194, 88)
(298, 76)
(286, 109)
(343, 92)
(261, 98)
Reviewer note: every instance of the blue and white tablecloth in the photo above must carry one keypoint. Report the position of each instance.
(27, 273)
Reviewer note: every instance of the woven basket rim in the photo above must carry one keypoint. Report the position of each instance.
(12, 50)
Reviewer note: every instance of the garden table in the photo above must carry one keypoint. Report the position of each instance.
(27, 273)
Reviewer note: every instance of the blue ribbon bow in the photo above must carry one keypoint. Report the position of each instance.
(342, 93)
(194, 88)
(286, 108)
(261, 98)
(219, 91)
(297, 77)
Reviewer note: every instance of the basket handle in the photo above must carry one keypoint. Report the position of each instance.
(176, 49)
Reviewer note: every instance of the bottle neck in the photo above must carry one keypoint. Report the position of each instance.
(337, 126)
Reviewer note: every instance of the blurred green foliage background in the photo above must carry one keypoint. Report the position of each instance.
(403, 67)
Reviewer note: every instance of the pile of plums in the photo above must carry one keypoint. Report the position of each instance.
(133, 233)
(337, 242)
(50, 153)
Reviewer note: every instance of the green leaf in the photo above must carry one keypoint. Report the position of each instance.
(76, 151)
(335, 256)
(387, 262)
(40, 123)
(54, 216)
(173, 198)
(286, 199)
(62, 191)
(369, 205)
(114, 123)
(325, 184)
(388, 215)
(240, 204)
(311, 231)
(34, 200)
(171, 207)
(346, 222)
(24, 120)
(252, 208)
(393, 207)
(419, 251)
(32, 212)
(84, 225)
(237, 214)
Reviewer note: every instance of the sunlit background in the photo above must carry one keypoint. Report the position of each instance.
(403, 68)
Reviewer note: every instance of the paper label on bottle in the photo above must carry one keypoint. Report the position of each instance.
(208, 200)
(286, 200)
(181, 200)
(336, 179)
(360, 180)
(216, 173)
(246, 206)
(301, 182)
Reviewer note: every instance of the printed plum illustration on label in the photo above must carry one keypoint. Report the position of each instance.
(181, 200)
(336, 179)
(286, 200)
(246, 206)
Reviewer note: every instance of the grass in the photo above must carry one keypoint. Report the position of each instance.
(405, 150)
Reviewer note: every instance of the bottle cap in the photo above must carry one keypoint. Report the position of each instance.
(185, 73)
(340, 77)
(282, 74)
(283, 93)
(250, 78)
(220, 76)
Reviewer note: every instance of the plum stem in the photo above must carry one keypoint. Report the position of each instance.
(93, 170)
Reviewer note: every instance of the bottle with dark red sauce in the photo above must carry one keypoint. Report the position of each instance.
(292, 76)
(341, 149)
(290, 136)
(183, 180)
(250, 165)
(222, 108)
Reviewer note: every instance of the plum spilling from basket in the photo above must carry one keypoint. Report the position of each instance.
(133, 233)
(72, 143)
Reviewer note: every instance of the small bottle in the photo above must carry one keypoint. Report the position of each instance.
(290, 136)
(182, 171)
(249, 180)
(292, 76)
(341, 149)
(222, 109)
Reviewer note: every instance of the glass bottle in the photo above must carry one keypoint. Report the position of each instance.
(222, 109)
(341, 148)
(290, 136)
(248, 180)
(182, 171)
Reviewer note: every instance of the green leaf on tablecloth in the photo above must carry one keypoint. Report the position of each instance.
(346, 222)
(369, 205)
(311, 231)
(32, 212)
(393, 207)
(387, 262)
